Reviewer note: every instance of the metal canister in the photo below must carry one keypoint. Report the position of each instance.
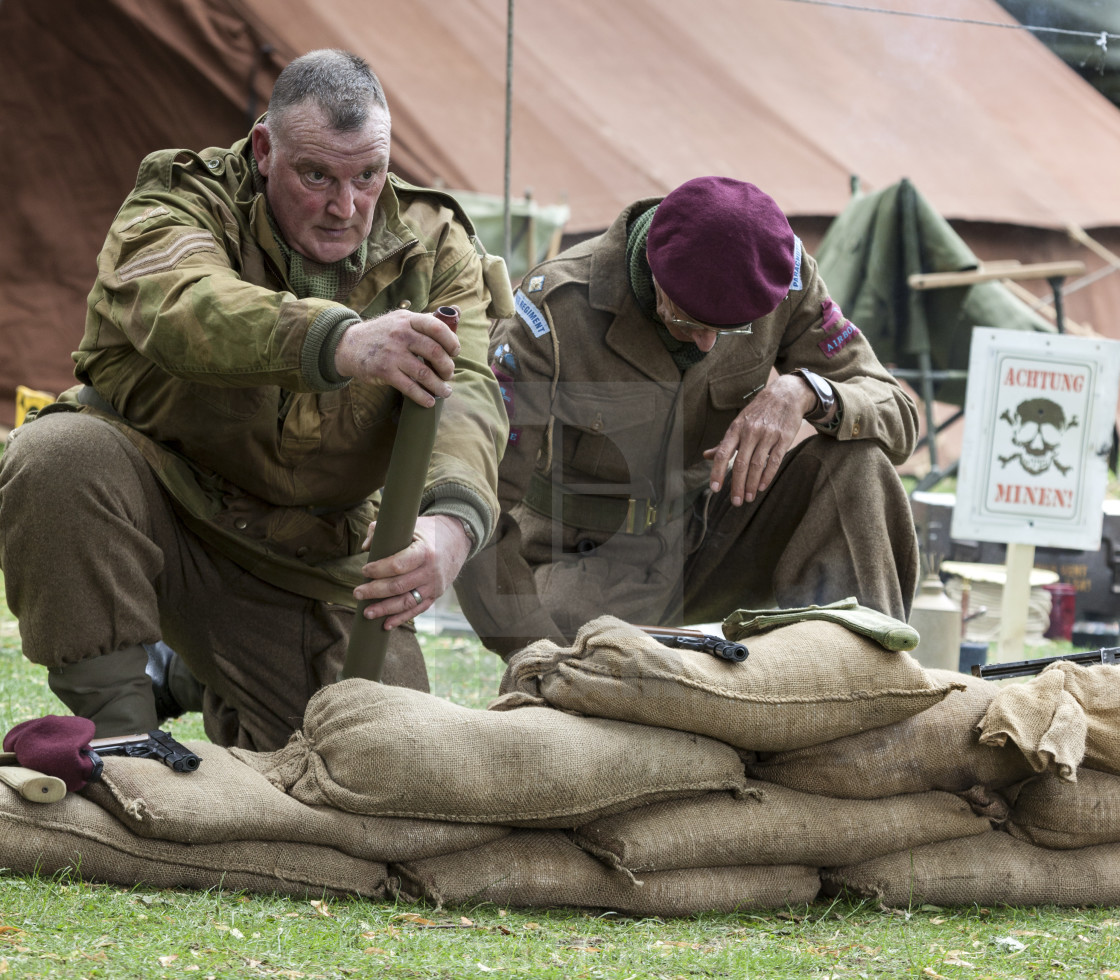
(938, 621)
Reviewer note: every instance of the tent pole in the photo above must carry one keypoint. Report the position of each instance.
(507, 234)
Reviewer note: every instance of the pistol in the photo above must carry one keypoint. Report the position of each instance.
(717, 646)
(157, 744)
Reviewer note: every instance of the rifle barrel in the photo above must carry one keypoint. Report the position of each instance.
(1025, 668)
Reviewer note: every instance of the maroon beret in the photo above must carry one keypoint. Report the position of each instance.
(722, 250)
(53, 745)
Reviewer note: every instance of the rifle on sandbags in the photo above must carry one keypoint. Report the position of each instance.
(1028, 668)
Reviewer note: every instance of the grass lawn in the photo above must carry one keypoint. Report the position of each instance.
(61, 926)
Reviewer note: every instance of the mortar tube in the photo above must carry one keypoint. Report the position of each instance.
(396, 517)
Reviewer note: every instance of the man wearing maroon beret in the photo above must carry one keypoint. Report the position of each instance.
(656, 378)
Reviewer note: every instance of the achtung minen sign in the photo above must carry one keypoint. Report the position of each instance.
(1038, 421)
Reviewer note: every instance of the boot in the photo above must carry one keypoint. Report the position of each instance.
(174, 687)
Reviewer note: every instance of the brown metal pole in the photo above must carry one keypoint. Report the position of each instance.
(396, 518)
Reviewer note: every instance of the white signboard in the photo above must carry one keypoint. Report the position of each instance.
(1038, 420)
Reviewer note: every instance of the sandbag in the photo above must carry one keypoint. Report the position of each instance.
(536, 868)
(390, 751)
(77, 836)
(226, 799)
(774, 825)
(938, 749)
(802, 684)
(1065, 716)
(1051, 812)
(989, 869)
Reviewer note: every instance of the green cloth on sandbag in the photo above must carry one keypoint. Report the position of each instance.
(888, 632)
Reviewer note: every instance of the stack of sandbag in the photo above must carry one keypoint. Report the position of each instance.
(1023, 746)
(759, 846)
(804, 683)
(620, 773)
(390, 752)
(224, 825)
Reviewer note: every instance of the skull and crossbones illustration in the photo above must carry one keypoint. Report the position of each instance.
(1039, 425)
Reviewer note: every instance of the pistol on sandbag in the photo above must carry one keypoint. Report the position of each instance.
(717, 646)
(156, 744)
(1027, 668)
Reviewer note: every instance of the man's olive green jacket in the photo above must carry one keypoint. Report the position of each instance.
(225, 379)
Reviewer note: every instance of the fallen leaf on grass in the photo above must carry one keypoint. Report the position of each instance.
(6, 930)
(322, 908)
(682, 945)
(166, 961)
(929, 971)
(378, 951)
(590, 945)
(951, 960)
(1111, 974)
(413, 918)
(3, 966)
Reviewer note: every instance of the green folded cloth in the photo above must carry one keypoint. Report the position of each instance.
(888, 632)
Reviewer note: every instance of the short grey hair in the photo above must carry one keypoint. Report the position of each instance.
(342, 84)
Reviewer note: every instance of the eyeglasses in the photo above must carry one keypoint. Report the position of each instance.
(681, 321)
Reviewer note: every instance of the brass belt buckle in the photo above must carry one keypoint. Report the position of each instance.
(639, 520)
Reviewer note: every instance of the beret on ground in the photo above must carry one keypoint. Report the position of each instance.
(722, 250)
(53, 745)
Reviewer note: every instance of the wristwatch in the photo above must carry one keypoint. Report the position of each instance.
(826, 397)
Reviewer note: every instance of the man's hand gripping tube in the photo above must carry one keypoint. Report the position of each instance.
(396, 517)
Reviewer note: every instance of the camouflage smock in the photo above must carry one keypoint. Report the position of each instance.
(212, 366)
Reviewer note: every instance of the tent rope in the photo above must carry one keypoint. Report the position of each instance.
(1102, 37)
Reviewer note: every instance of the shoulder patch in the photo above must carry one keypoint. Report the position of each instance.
(536, 284)
(795, 286)
(528, 312)
(168, 257)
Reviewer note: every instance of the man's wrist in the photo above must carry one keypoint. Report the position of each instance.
(823, 411)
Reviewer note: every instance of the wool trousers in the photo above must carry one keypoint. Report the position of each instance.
(95, 559)
(836, 522)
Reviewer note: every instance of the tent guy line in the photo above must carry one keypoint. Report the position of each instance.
(1103, 37)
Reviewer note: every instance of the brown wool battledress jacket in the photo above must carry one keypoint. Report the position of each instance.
(195, 337)
(598, 408)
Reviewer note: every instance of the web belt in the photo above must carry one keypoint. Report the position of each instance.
(605, 513)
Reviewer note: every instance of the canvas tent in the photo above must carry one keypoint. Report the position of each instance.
(611, 102)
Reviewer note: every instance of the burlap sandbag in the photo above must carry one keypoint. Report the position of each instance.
(1065, 716)
(990, 869)
(774, 825)
(76, 835)
(535, 868)
(936, 749)
(1051, 812)
(391, 751)
(801, 685)
(226, 799)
